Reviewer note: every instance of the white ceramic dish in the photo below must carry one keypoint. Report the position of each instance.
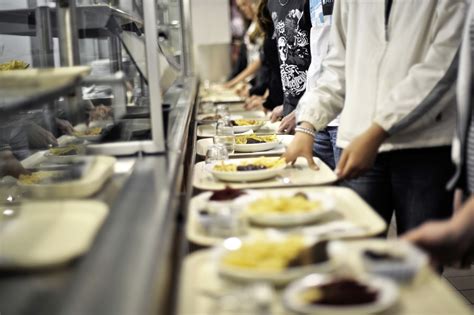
(256, 147)
(388, 295)
(281, 220)
(248, 176)
(248, 275)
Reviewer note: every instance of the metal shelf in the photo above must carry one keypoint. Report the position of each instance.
(93, 21)
(23, 89)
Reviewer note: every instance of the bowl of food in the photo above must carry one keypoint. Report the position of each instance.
(255, 143)
(92, 134)
(243, 125)
(333, 294)
(277, 258)
(248, 169)
(395, 259)
(64, 153)
(286, 209)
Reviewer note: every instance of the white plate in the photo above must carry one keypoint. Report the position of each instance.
(388, 294)
(248, 176)
(279, 220)
(255, 147)
(278, 278)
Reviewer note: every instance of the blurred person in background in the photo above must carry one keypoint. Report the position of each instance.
(452, 241)
(390, 70)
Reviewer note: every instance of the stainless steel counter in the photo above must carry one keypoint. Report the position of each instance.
(129, 269)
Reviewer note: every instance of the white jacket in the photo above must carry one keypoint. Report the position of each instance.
(400, 75)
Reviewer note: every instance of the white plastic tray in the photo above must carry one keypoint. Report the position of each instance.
(46, 234)
(209, 131)
(298, 175)
(349, 207)
(428, 294)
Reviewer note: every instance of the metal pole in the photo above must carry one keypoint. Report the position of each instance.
(115, 49)
(44, 35)
(186, 37)
(153, 73)
(67, 32)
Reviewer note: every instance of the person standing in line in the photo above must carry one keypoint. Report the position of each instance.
(390, 73)
(452, 241)
(324, 146)
(292, 24)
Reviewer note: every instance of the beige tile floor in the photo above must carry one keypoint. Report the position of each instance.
(461, 279)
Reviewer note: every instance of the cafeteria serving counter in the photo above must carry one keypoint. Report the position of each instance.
(130, 268)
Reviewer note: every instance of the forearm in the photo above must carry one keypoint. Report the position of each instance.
(250, 70)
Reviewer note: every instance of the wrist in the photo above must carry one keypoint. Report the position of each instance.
(306, 125)
(377, 133)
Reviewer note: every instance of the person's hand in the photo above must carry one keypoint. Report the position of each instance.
(64, 126)
(288, 123)
(276, 113)
(40, 138)
(228, 85)
(450, 240)
(254, 103)
(243, 91)
(360, 155)
(10, 166)
(301, 145)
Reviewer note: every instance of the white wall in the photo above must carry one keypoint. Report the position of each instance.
(211, 38)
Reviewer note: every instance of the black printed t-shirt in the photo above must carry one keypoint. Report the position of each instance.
(292, 22)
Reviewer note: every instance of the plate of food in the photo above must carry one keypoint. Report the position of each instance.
(255, 143)
(332, 294)
(64, 153)
(286, 209)
(90, 134)
(248, 169)
(274, 258)
(243, 125)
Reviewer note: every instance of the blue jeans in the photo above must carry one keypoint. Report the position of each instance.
(410, 182)
(324, 146)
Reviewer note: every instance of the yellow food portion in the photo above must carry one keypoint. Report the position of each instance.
(283, 205)
(13, 65)
(36, 177)
(248, 122)
(64, 150)
(311, 295)
(263, 255)
(95, 131)
(242, 139)
(263, 161)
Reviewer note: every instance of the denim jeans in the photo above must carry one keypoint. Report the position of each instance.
(410, 182)
(324, 146)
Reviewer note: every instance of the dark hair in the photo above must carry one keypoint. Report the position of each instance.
(264, 18)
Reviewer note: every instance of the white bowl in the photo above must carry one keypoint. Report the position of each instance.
(388, 294)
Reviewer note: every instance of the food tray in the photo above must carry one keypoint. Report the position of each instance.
(428, 294)
(349, 207)
(102, 167)
(209, 130)
(46, 234)
(203, 144)
(293, 176)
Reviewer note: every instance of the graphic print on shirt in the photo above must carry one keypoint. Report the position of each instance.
(293, 50)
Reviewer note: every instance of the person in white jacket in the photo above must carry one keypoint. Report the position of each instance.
(390, 73)
(324, 146)
(452, 241)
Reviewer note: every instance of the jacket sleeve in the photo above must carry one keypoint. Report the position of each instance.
(324, 96)
(416, 99)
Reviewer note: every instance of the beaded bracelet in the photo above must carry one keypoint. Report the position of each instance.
(307, 131)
